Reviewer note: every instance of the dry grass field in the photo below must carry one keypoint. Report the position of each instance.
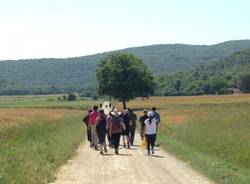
(12, 117)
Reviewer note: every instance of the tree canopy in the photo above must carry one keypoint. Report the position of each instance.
(124, 77)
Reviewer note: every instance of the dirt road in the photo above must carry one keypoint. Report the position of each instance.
(132, 166)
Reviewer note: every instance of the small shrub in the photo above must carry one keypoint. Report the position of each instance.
(64, 97)
(72, 97)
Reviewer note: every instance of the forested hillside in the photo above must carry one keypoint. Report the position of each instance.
(221, 77)
(44, 76)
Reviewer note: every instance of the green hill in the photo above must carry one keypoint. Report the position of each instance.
(219, 77)
(43, 76)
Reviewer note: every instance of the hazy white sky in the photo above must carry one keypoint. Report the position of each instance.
(68, 28)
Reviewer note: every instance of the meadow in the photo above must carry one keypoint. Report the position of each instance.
(34, 143)
(209, 133)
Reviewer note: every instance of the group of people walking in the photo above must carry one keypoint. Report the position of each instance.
(115, 125)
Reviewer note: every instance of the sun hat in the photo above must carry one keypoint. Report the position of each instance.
(126, 111)
(115, 112)
(150, 114)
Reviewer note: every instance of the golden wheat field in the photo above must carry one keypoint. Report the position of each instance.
(13, 117)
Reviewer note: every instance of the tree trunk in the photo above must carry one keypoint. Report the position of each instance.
(124, 104)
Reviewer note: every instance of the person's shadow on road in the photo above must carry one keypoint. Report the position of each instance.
(108, 154)
(123, 154)
(120, 154)
(156, 156)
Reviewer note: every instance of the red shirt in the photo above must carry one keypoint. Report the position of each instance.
(92, 117)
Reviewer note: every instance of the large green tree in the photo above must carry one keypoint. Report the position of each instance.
(124, 77)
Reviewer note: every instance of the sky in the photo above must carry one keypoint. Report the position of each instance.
(69, 28)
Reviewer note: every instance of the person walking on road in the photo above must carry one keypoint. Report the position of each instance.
(125, 133)
(132, 127)
(86, 121)
(115, 130)
(92, 126)
(101, 129)
(109, 125)
(142, 121)
(156, 115)
(158, 119)
(150, 131)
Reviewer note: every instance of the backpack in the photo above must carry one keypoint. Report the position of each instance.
(86, 120)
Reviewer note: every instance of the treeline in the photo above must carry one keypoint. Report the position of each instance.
(175, 63)
(49, 76)
(224, 77)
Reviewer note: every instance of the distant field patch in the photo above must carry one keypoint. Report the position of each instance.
(46, 101)
(170, 102)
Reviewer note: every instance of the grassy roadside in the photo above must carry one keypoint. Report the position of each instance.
(31, 154)
(209, 133)
(218, 144)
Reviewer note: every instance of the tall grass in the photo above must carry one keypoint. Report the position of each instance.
(31, 154)
(218, 144)
(210, 133)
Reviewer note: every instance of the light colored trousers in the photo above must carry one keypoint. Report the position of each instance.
(93, 134)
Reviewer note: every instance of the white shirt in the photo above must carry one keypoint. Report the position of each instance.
(150, 129)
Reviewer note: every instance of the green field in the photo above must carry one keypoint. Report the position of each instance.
(34, 143)
(210, 133)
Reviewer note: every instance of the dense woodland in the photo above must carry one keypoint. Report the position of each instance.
(178, 69)
(229, 75)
